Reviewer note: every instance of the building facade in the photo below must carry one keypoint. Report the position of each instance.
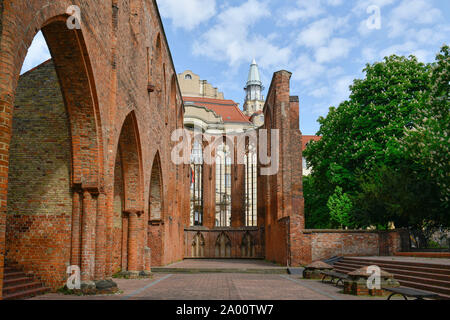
(87, 168)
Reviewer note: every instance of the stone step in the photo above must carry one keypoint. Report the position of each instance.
(12, 282)
(383, 264)
(21, 287)
(220, 270)
(435, 286)
(427, 287)
(403, 270)
(14, 275)
(10, 269)
(435, 265)
(26, 294)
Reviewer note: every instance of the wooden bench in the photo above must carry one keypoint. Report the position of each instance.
(339, 277)
(410, 292)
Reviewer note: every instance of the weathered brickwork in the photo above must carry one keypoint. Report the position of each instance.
(40, 198)
(280, 196)
(116, 75)
(328, 243)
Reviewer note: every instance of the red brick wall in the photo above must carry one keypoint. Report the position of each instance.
(325, 244)
(280, 196)
(102, 83)
(39, 190)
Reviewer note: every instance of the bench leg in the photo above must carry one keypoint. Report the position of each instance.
(393, 294)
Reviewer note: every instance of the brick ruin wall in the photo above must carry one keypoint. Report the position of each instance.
(40, 198)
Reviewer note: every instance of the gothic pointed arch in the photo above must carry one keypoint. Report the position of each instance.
(223, 245)
(198, 246)
(156, 191)
(63, 136)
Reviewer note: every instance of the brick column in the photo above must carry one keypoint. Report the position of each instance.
(133, 236)
(88, 236)
(76, 228)
(100, 238)
(124, 241)
(238, 195)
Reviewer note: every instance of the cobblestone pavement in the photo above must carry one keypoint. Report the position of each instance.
(219, 287)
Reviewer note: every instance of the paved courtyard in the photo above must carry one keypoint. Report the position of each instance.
(221, 286)
(194, 285)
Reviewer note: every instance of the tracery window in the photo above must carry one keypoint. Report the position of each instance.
(250, 160)
(223, 186)
(197, 184)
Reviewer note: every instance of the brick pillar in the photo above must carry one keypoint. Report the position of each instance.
(209, 194)
(100, 238)
(88, 237)
(133, 233)
(109, 221)
(76, 229)
(238, 195)
(124, 241)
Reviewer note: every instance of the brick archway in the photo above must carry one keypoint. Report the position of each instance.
(128, 199)
(77, 149)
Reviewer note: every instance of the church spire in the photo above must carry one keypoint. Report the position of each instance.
(254, 100)
(254, 77)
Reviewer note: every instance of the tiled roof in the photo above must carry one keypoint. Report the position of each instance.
(306, 139)
(227, 109)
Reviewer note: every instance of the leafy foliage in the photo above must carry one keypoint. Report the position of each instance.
(389, 172)
(340, 207)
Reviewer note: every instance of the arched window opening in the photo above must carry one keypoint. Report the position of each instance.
(223, 186)
(155, 191)
(197, 184)
(251, 187)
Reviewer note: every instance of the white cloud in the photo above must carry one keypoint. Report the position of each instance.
(338, 48)
(37, 53)
(411, 11)
(409, 48)
(319, 32)
(307, 70)
(320, 92)
(230, 38)
(305, 10)
(362, 5)
(187, 14)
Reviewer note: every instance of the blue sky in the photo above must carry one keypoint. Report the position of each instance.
(324, 43)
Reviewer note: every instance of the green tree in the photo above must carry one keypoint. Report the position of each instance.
(427, 141)
(363, 148)
(340, 207)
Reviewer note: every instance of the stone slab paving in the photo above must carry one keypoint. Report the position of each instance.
(219, 287)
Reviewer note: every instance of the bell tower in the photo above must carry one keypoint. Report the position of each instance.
(254, 100)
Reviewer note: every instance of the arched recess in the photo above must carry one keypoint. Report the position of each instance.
(128, 199)
(223, 246)
(156, 213)
(59, 168)
(157, 72)
(156, 192)
(174, 112)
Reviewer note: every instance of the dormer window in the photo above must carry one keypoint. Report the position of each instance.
(188, 77)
